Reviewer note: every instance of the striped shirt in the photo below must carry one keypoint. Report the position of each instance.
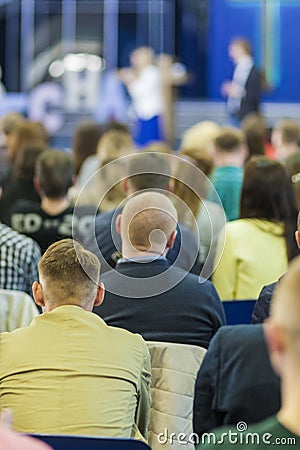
(19, 256)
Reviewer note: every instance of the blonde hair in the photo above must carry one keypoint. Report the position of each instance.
(190, 185)
(113, 145)
(201, 136)
(70, 271)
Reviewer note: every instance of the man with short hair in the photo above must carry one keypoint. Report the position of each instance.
(282, 333)
(68, 372)
(286, 138)
(54, 218)
(144, 293)
(230, 152)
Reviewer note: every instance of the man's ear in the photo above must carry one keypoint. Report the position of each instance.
(36, 184)
(118, 223)
(171, 239)
(297, 237)
(171, 185)
(275, 343)
(38, 294)
(125, 185)
(100, 295)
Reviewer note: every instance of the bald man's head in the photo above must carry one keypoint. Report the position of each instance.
(147, 224)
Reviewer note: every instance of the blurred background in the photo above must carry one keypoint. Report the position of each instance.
(58, 57)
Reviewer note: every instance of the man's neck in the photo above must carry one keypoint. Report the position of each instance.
(128, 253)
(234, 159)
(54, 206)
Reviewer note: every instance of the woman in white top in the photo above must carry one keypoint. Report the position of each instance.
(144, 83)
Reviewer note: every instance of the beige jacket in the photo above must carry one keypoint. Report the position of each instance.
(69, 373)
(174, 371)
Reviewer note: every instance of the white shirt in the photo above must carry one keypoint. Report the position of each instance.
(240, 77)
(146, 93)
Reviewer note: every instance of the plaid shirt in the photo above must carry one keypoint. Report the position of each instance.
(19, 256)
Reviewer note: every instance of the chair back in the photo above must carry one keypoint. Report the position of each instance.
(17, 309)
(174, 369)
(238, 311)
(91, 443)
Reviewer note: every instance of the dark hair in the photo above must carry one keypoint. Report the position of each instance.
(229, 140)
(25, 162)
(267, 194)
(85, 140)
(55, 173)
(149, 170)
(293, 167)
(253, 125)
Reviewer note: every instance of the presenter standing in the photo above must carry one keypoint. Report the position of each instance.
(144, 84)
(244, 90)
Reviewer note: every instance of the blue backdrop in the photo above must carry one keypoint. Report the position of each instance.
(272, 27)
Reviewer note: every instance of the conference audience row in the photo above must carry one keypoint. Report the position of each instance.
(155, 221)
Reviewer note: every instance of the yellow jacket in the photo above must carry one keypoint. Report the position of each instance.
(70, 373)
(254, 255)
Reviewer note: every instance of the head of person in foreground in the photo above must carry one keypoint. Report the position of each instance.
(147, 225)
(282, 331)
(68, 275)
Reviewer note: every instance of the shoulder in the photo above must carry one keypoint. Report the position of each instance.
(238, 226)
(26, 206)
(105, 218)
(10, 237)
(235, 336)
(130, 341)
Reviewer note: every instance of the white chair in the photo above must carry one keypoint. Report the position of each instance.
(17, 309)
(174, 369)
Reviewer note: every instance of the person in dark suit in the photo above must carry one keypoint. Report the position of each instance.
(144, 294)
(244, 90)
(236, 381)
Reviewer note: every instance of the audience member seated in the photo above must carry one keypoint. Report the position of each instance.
(85, 141)
(227, 177)
(262, 305)
(24, 133)
(19, 256)
(259, 245)
(144, 171)
(254, 127)
(53, 219)
(21, 186)
(9, 123)
(236, 381)
(285, 138)
(145, 294)
(282, 333)
(205, 218)
(201, 136)
(99, 179)
(68, 372)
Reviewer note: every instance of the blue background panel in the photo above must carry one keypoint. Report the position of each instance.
(229, 18)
